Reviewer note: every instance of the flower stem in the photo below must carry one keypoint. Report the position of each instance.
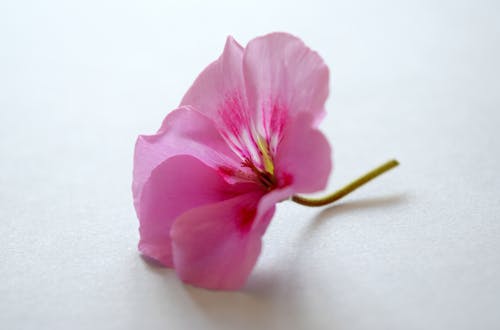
(348, 188)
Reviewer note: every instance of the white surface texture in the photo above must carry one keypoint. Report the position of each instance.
(419, 248)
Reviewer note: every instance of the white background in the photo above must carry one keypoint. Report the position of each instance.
(418, 248)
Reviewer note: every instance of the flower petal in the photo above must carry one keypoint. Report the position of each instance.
(267, 204)
(220, 85)
(184, 132)
(283, 78)
(175, 186)
(219, 92)
(303, 157)
(216, 246)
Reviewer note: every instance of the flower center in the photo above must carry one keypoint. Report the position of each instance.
(265, 175)
(268, 180)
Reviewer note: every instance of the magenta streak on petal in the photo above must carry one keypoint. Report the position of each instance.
(242, 131)
(245, 218)
(231, 113)
(277, 124)
(237, 128)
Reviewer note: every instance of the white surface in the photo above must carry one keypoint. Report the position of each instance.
(417, 249)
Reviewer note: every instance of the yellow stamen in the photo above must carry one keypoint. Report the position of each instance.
(266, 155)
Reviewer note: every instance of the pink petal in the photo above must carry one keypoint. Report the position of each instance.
(266, 204)
(183, 132)
(216, 246)
(220, 85)
(175, 186)
(303, 157)
(284, 78)
(219, 92)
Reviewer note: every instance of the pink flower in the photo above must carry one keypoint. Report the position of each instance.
(244, 138)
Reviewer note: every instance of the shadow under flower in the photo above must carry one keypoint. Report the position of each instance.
(247, 308)
(152, 263)
(353, 206)
(262, 304)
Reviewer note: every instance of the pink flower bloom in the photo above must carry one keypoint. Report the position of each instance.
(244, 138)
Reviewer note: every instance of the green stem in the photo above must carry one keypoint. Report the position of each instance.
(348, 188)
